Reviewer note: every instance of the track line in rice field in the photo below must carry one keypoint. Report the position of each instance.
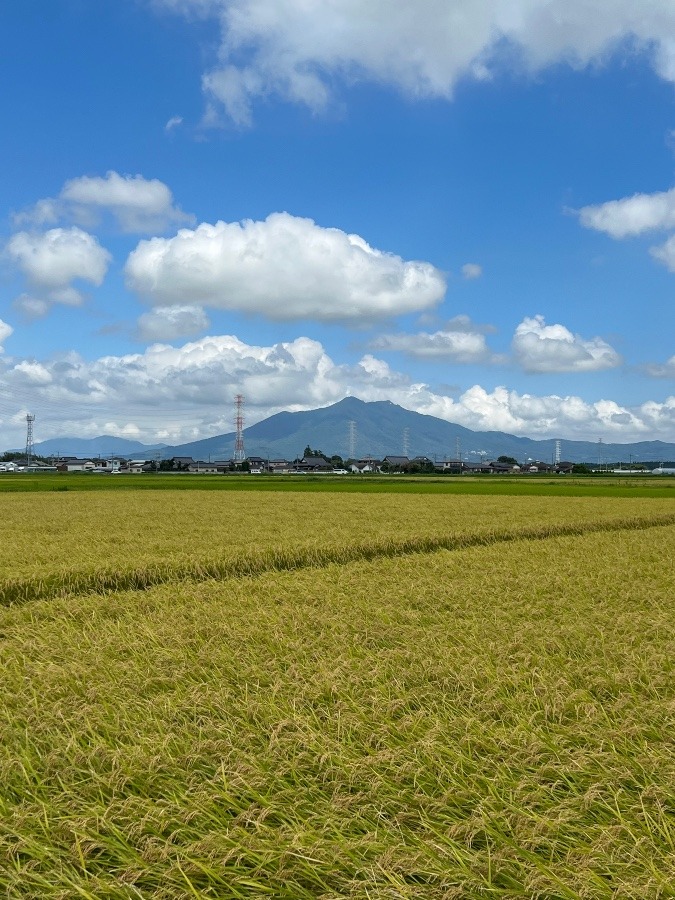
(260, 561)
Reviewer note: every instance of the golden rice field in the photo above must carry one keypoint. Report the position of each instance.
(405, 697)
(54, 543)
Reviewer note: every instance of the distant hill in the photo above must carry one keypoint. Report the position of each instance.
(102, 446)
(380, 429)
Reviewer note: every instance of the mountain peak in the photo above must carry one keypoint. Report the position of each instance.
(355, 427)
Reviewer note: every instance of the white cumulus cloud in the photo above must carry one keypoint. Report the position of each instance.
(284, 268)
(31, 372)
(636, 215)
(631, 216)
(53, 260)
(137, 204)
(539, 347)
(554, 415)
(662, 370)
(665, 253)
(5, 331)
(176, 394)
(166, 323)
(299, 49)
(31, 307)
(459, 342)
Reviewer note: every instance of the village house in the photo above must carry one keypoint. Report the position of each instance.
(309, 464)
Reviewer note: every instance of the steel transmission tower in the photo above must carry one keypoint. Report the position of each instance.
(239, 452)
(352, 438)
(30, 449)
(557, 453)
(406, 442)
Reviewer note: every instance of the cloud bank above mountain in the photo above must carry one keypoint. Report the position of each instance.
(176, 394)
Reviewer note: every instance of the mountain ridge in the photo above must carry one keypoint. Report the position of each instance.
(101, 446)
(380, 428)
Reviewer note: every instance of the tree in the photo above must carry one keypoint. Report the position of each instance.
(507, 459)
(314, 454)
(421, 467)
(580, 469)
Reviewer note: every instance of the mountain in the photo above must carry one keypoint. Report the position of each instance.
(382, 428)
(102, 446)
(379, 428)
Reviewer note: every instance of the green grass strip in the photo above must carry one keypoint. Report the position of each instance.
(259, 561)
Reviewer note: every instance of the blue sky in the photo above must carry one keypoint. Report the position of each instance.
(462, 209)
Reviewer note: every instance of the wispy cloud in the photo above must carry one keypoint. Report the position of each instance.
(173, 123)
(471, 271)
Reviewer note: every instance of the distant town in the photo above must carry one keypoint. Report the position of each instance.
(314, 462)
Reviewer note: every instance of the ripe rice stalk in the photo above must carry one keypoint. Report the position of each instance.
(491, 721)
(45, 533)
(255, 561)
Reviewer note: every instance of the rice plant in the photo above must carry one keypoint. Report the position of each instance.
(55, 544)
(493, 720)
